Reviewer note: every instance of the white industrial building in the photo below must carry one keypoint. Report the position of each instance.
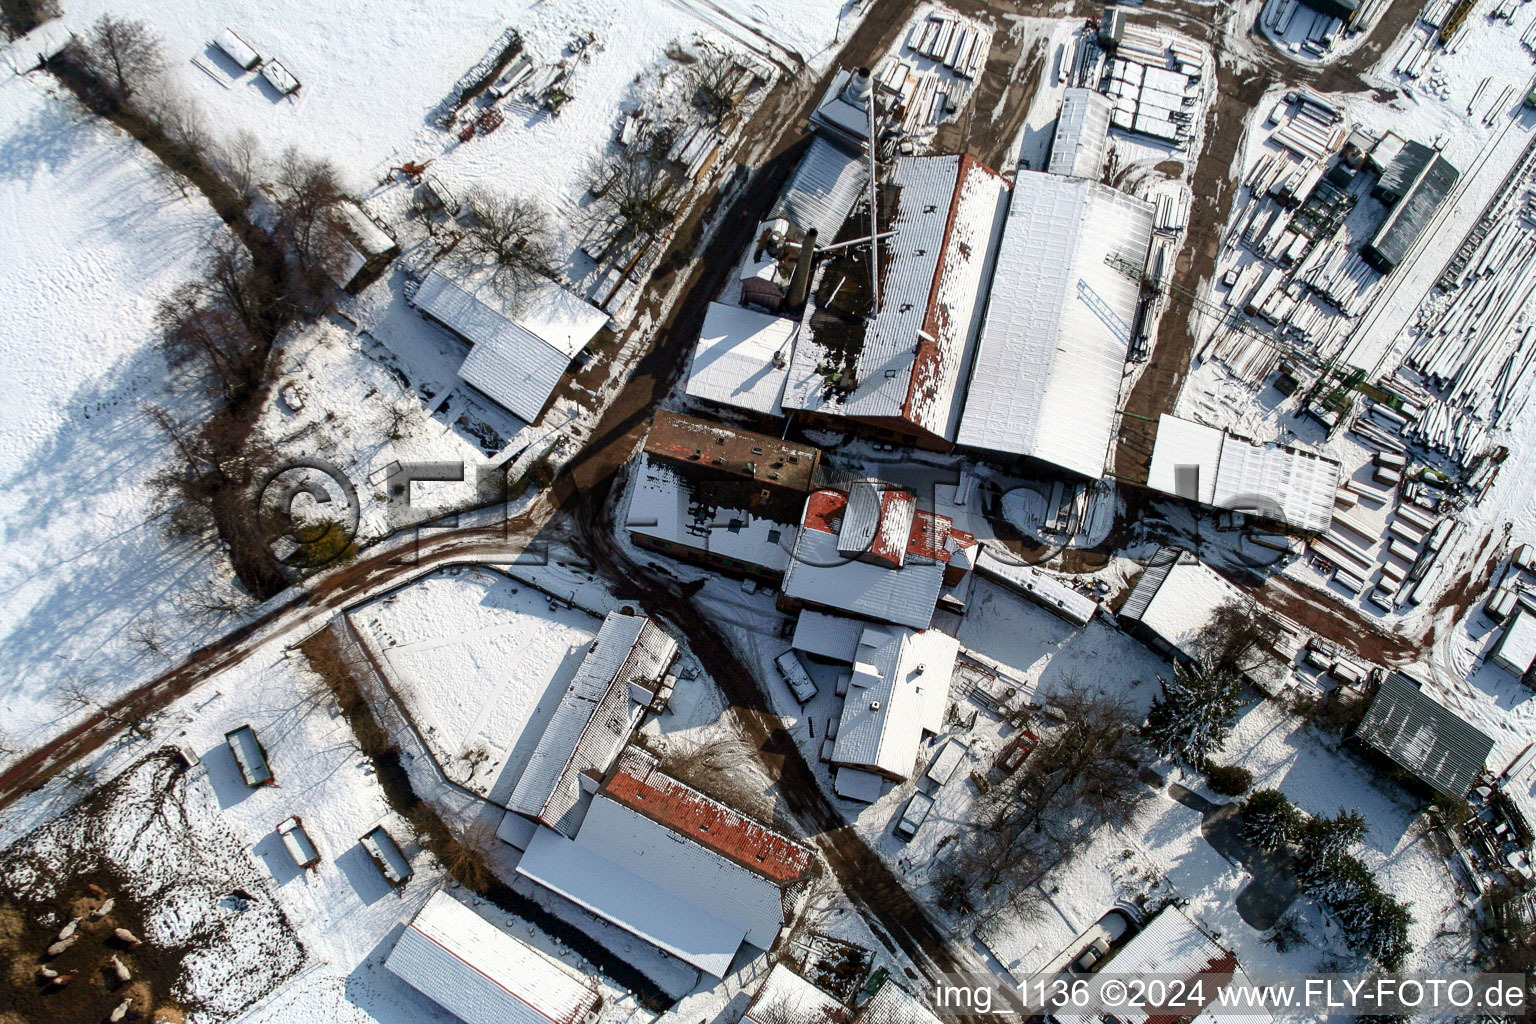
(483, 975)
(905, 368)
(742, 358)
(616, 682)
(1209, 466)
(516, 359)
(1082, 135)
(1516, 650)
(673, 867)
(899, 691)
(1046, 381)
(1039, 586)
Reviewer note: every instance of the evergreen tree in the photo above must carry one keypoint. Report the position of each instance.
(1191, 718)
(1326, 840)
(1269, 820)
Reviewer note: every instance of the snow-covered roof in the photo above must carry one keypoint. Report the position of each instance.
(742, 358)
(1177, 604)
(893, 1004)
(839, 113)
(1037, 585)
(670, 865)
(1082, 134)
(594, 717)
(370, 239)
(830, 636)
(820, 573)
(1424, 736)
(663, 506)
(516, 359)
(916, 351)
(785, 996)
(857, 784)
(899, 690)
(1516, 649)
(1210, 466)
(482, 975)
(823, 188)
(1171, 946)
(1046, 383)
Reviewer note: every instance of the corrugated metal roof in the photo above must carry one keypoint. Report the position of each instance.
(1405, 168)
(517, 361)
(663, 505)
(830, 636)
(584, 876)
(734, 359)
(1424, 736)
(594, 715)
(900, 688)
(823, 188)
(1183, 602)
(1213, 467)
(819, 575)
(1082, 134)
(861, 519)
(934, 273)
(482, 975)
(1408, 219)
(1516, 649)
(1053, 348)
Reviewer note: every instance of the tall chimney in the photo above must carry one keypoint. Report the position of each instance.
(800, 282)
(858, 89)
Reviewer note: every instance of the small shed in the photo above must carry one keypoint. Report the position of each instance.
(297, 842)
(238, 50)
(1516, 649)
(279, 78)
(386, 853)
(250, 756)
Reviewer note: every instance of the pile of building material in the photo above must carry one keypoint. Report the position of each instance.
(1314, 129)
(1154, 80)
(929, 79)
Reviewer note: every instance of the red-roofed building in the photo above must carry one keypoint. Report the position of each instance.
(674, 867)
(873, 553)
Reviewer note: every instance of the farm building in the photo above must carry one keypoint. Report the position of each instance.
(1082, 135)
(1046, 381)
(1172, 947)
(742, 358)
(515, 359)
(370, 248)
(874, 554)
(1277, 483)
(899, 692)
(901, 371)
(483, 975)
(830, 178)
(725, 497)
(673, 867)
(616, 682)
(1173, 602)
(1516, 650)
(1418, 734)
(1415, 186)
(892, 1004)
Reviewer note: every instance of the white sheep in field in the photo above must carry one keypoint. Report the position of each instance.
(124, 935)
(103, 910)
(69, 929)
(121, 1010)
(62, 945)
(120, 970)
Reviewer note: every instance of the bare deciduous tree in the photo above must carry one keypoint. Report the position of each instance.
(209, 338)
(510, 238)
(308, 193)
(1081, 775)
(241, 162)
(634, 192)
(718, 81)
(1238, 638)
(125, 55)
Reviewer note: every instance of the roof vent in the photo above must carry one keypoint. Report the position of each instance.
(920, 667)
(720, 440)
(874, 705)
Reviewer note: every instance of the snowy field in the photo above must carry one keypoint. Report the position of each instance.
(85, 566)
(481, 663)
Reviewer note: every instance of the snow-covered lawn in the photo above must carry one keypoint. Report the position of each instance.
(92, 235)
(481, 664)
